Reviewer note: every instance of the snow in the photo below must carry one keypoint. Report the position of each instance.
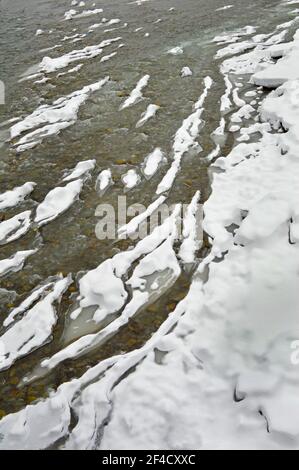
(238, 326)
(108, 57)
(15, 262)
(191, 242)
(109, 295)
(72, 70)
(34, 328)
(186, 72)
(243, 113)
(130, 179)
(15, 227)
(49, 65)
(276, 38)
(176, 51)
(218, 133)
(12, 198)
(214, 153)
(104, 180)
(185, 139)
(285, 69)
(227, 7)
(136, 94)
(107, 300)
(232, 49)
(134, 223)
(36, 294)
(234, 35)
(217, 374)
(253, 61)
(226, 103)
(73, 14)
(152, 162)
(287, 24)
(57, 201)
(48, 120)
(148, 114)
(237, 100)
(82, 169)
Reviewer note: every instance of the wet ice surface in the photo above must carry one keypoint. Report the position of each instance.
(178, 97)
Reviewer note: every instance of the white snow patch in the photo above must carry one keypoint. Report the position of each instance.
(82, 169)
(48, 120)
(15, 196)
(35, 327)
(191, 232)
(136, 94)
(186, 72)
(130, 179)
(13, 228)
(152, 162)
(57, 201)
(148, 114)
(185, 139)
(14, 263)
(104, 181)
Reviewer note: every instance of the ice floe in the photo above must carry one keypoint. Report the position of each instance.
(104, 181)
(15, 262)
(148, 114)
(232, 49)
(130, 179)
(284, 69)
(111, 272)
(15, 227)
(82, 169)
(244, 112)
(136, 94)
(34, 328)
(237, 100)
(227, 7)
(108, 56)
(73, 14)
(48, 120)
(226, 103)
(152, 162)
(57, 201)
(132, 226)
(234, 35)
(191, 231)
(49, 65)
(185, 139)
(13, 197)
(186, 72)
(176, 51)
